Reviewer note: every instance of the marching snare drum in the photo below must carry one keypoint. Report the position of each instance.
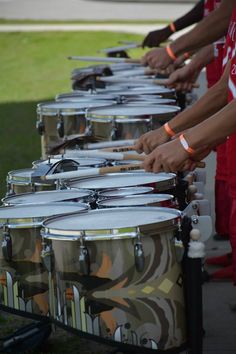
(23, 279)
(45, 197)
(118, 277)
(57, 120)
(127, 122)
(161, 200)
(22, 181)
(159, 181)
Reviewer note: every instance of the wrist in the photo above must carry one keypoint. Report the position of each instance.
(170, 53)
(169, 131)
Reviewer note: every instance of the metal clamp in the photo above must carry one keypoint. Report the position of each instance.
(6, 244)
(60, 126)
(40, 127)
(113, 130)
(84, 259)
(48, 258)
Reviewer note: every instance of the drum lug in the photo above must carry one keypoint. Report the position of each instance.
(60, 127)
(139, 256)
(84, 260)
(88, 130)
(114, 133)
(10, 192)
(6, 244)
(40, 127)
(150, 125)
(47, 256)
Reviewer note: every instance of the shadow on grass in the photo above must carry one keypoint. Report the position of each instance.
(20, 142)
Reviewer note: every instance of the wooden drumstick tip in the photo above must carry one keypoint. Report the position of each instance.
(195, 235)
(192, 189)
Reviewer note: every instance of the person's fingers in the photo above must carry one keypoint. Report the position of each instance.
(138, 147)
(147, 164)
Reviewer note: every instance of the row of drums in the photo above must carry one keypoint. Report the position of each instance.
(97, 255)
(104, 116)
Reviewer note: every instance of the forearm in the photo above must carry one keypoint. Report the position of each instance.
(215, 128)
(203, 57)
(207, 31)
(213, 101)
(193, 16)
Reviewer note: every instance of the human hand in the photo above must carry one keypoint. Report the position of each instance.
(183, 79)
(154, 38)
(171, 157)
(149, 141)
(157, 59)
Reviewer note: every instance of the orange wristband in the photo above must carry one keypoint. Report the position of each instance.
(172, 27)
(185, 145)
(170, 53)
(168, 129)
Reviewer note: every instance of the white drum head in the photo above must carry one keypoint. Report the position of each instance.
(119, 180)
(122, 192)
(137, 200)
(55, 108)
(111, 219)
(127, 111)
(39, 211)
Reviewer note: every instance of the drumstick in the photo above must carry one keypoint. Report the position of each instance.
(118, 156)
(105, 59)
(81, 142)
(93, 172)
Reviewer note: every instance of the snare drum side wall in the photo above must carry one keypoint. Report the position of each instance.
(72, 124)
(23, 280)
(117, 302)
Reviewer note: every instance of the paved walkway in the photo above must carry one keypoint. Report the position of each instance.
(89, 10)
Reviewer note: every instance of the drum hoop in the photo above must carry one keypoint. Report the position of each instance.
(102, 202)
(103, 194)
(87, 194)
(36, 221)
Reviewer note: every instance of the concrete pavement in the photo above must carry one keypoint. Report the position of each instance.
(89, 10)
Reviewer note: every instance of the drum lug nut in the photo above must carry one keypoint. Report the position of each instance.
(114, 134)
(6, 244)
(47, 256)
(84, 260)
(139, 257)
(40, 127)
(60, 127)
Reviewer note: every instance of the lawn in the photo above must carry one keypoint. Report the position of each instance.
(34, 68)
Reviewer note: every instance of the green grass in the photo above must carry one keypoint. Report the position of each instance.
(4, 21)
(34, 68)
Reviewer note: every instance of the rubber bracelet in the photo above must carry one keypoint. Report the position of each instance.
(186, 55)
(172, 27)
(185, 145)
(168, 130)
(170, 53)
